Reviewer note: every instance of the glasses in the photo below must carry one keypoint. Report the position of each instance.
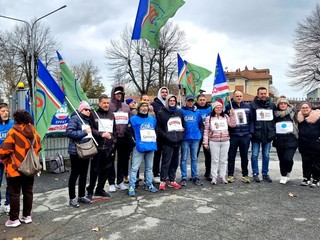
(88, 110)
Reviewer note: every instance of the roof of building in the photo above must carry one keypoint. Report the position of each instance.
(250, 74)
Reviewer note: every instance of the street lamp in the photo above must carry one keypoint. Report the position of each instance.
(31, 49)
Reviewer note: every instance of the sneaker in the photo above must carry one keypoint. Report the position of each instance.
(152, 188)
(112, 188)
(256, 178)
(122, 186)
(283, 180)
(126, 179)
(230, 179)
(162, 185)
(156, 180)
(305, 182)
(85, 200)
(197, 181)
(267, 178)
(214, 181)
(26, 220)
(102, 193)
(174, 185)
(183, 182)
(245, 179)
(6, 209)
(223, 180)
(131, 192)
(315, 183)
(74, 203)
(288, 177)
(14, 223)
(89, 196)
(208, 176)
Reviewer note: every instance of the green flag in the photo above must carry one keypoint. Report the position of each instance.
(151, 17)
(71, 86)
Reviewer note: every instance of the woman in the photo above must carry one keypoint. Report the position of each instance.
(78, 132)
(12, 152)
(309, 144)
(286, 140)
(216, 137)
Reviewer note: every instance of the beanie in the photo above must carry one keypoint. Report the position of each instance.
(214, 104)
(83, 105)
(141, 103)
(282, 99)
(129, 100)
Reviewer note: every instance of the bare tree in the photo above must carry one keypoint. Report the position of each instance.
(88, 75)
(15, 55)
(306, 66)
(135, 64)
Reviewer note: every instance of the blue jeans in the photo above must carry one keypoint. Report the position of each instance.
(137, 158)
(185, 146)
(7, 202)
(265, 157)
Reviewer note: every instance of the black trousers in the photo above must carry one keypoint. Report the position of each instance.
(156, 159)
(285, 156)
(311, 165)
(170, 162)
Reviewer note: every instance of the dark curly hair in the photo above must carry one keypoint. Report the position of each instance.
(22, 116)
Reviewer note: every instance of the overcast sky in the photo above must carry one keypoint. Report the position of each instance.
(252, 33)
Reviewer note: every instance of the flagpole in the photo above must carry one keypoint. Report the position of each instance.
(80, 119)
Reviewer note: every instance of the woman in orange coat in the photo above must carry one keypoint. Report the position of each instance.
(12, 152)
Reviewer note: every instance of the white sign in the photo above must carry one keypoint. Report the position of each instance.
(264, 114)
(284, 127)
(121, 117)
(84, 127)
(241, 116)
(219, 124)
(174, 124)
(105, 125)
(148, 135)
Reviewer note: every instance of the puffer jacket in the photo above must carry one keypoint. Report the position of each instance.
(217, 135)
(75, 133)
(309, 132)
(16, 146)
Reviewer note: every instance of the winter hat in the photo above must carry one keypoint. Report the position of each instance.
(214, 104)
(83, 105)
(129, 100)
(142, 103)
(282, 99)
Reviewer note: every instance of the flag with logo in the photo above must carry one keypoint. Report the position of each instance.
(191, 76)
(151, 17)
(220, 90)
(49, 98)
(71, 85)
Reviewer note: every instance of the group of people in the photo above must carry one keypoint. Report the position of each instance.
(162, 134)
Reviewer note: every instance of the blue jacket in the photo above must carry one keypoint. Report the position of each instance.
(204, 111)
(243, 129)
(75, 132)
(140, 124)
(5, 126)
(193, 122)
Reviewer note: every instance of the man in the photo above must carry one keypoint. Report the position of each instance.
(142, 128)
(170, 130)
(204, 109)
(264, 132)
(193, 133)
(121, 113)
(5, 125)
(157, 104)
(239, 136)
(103, 129)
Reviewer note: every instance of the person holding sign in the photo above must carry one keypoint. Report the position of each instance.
(309, 144)
(142, 130)
(216, 138)
(286, 140)
(239, 136)
(170, 129)
(103, 129)
(264, 132)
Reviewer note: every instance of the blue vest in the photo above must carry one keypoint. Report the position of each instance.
(4, 128)
(139, 125)
(191, 119)
(204, 112)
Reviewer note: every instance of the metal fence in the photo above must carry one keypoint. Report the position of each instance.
(56, 144)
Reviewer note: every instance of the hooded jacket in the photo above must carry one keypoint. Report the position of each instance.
(158, 103)
(5, 126)
(119, 106)
(172, 138)
(194, 124)
(16, 146)
(309, 132)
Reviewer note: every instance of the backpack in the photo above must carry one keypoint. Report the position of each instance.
(57, 164)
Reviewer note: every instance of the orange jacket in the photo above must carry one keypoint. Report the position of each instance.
(16, 146)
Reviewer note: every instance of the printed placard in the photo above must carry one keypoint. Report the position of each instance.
(105, 125)
(264, 114)
(241, 117)
(174, 124)
(121, 117)
(85, 126)
(284, 127)
(148, 135)
(219, 124)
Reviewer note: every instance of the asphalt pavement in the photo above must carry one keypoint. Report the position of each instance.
(225, 211)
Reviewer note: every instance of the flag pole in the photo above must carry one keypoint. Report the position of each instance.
(80, 119)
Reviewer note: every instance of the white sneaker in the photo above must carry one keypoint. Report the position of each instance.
(283, 180)
(122, 186)
(6, 209)
(112, 188)
(156, 180)
(288, 177)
